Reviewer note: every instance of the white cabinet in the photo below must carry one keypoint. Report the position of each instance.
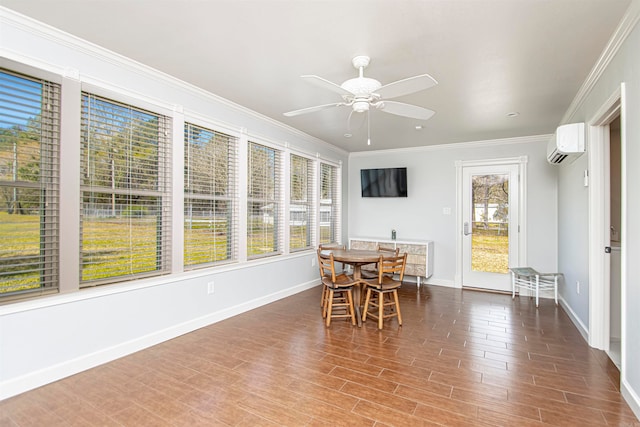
(419, 253)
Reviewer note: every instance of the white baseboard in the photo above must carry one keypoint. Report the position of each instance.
(440, 282)
(584, 331)
(631, 397)
(57, 372)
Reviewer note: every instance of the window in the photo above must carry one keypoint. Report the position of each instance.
(263, 201)
(29, 184)
(209, 196)
(329, 204)
(125, 204)
(301, 206)
(125, 191)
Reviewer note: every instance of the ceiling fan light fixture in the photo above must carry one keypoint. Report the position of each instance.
(361, 86)
(361, 106)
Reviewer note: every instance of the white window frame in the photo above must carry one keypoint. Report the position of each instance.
(164, 241)
(336, 217)
(279, 216)
(49, 236)
(311, 203)
(232, 194)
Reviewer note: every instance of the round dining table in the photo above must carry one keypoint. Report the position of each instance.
(355, 258)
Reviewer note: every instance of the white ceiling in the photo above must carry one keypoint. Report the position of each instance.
(490, 57)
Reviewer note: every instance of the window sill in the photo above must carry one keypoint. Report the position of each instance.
(122, 287)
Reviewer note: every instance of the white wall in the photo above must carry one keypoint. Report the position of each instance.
(49, 338)
(45, 339)
(574, 205)
(431, 176)
(573, 239)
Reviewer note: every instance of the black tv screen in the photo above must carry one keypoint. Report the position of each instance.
(387, 182)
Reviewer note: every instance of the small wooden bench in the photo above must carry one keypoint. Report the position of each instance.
(528, 278)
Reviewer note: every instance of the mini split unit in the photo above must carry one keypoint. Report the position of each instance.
(567, 144)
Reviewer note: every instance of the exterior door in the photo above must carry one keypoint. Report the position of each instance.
(490, 229)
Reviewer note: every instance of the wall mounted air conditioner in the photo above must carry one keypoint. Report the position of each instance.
(567, 144)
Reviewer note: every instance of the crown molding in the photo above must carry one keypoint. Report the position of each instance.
(41, 30)
(458, 145)
(625, 27)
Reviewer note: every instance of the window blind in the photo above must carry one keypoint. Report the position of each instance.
(301, 203)
(264, 205)
(210, 197)
(125, 201)
(329, 221)
(29, 184)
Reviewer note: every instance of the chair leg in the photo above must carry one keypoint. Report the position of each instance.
(325, 301)
(366, 305)
(395, 297)
(380, 309)
(329, 307)
(352, 311)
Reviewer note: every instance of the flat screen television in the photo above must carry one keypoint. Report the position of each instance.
(386, 182)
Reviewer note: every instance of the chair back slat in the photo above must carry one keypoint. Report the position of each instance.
(387, 250)
(331, 246)
(326, 265)
(392, 266)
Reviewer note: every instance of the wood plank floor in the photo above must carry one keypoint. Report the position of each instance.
(462, 358)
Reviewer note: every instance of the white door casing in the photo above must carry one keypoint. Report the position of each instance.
(599, 277)
(515, 168)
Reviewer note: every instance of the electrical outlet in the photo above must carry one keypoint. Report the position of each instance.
(313, 262)
(577, 286)
(210, 287)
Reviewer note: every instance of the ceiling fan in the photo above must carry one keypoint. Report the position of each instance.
(362, 93)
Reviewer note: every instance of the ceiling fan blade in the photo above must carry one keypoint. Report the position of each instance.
(406, 86)
(406, 110)
(319, 81)
(313, 109)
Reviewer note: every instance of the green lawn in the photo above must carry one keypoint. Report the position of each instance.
(20, 254)
(108, 244)
(490, 251)
(106, 251)
(106, 248)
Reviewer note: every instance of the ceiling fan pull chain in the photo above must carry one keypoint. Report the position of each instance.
(368, 127)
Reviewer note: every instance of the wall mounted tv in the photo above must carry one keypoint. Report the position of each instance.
(386, 182)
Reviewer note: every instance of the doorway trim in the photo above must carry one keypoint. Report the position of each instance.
(521, 162)
(599, 281)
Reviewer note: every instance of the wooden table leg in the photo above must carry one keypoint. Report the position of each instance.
(357, 294)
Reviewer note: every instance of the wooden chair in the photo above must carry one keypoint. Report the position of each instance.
(385, 285)
(323, 246)
(331, 246)
(372, 273)
(338, 302)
